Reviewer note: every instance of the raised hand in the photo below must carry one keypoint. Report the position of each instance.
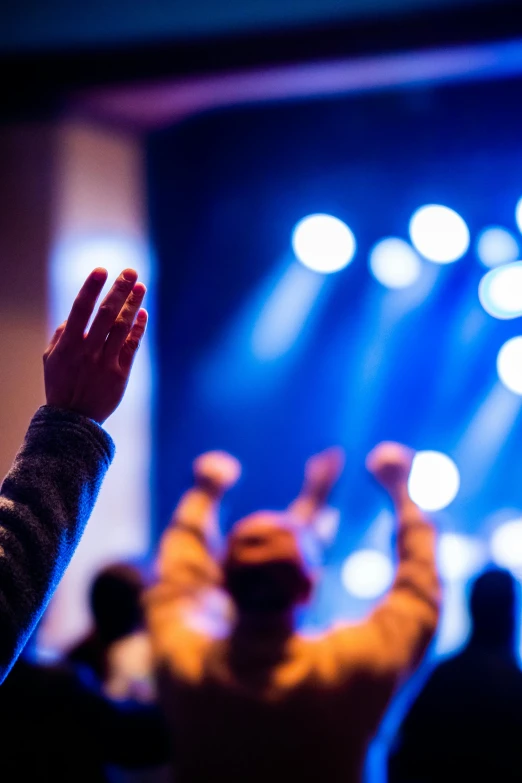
(88, 372)
(322, 472)
(216, 471)
(390, 464)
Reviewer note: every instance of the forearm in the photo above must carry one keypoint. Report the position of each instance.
(404, 623)
(45, 502)
(305, 508)
(406, 511)
(190, 535)
(186, 564)
(321, 472)
(197, 512)
(416, 549)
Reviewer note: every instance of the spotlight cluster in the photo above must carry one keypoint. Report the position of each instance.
(325, 244)
(438, 234)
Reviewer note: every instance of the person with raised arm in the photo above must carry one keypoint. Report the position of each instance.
(255, 699)
(50, 490)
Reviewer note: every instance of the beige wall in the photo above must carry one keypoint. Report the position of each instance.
(26, 206)
(72, 198)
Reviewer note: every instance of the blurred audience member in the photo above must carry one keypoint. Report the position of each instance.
(466, 723)
(259, 701)
(48, 495)
(117, 649)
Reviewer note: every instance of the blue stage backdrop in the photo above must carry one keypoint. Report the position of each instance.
(258, 356)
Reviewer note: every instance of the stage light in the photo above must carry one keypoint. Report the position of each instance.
(500, 291)
(459, 556)
(509, 365)
(285, 312)
(518, 214)
(434, 480)
(323, 243)
(506, 545)
(394, 263)
(367, 573)
(439, 233)
(496, 246)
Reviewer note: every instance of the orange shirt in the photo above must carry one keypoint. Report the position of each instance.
(272, 706)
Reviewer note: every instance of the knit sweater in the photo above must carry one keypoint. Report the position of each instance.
(261, 704)
(45, 502)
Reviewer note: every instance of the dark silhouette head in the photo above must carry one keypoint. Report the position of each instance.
(493, 601)
(266, 569)
(116, 601)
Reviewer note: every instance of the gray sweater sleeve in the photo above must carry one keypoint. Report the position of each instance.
(45, 502)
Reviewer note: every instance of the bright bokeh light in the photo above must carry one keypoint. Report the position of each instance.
(394, 263)
(518, 214)
(460, 556)
(367, 573)
(509, 365)
(323, 243)
(434, 480)
(506, 545)
(439, 233)
(500, 291)
(497, 245)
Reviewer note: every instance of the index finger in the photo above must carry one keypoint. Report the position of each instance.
(110, 309)
(84, 303)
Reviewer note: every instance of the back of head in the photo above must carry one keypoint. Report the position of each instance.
(265, 564)
(116, 601)
(493, 601)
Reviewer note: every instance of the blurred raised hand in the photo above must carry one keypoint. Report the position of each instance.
(390, 464)
(322, 472)
(88, 371)
(216, 472)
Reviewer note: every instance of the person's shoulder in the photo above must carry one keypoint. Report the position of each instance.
(330, 653)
